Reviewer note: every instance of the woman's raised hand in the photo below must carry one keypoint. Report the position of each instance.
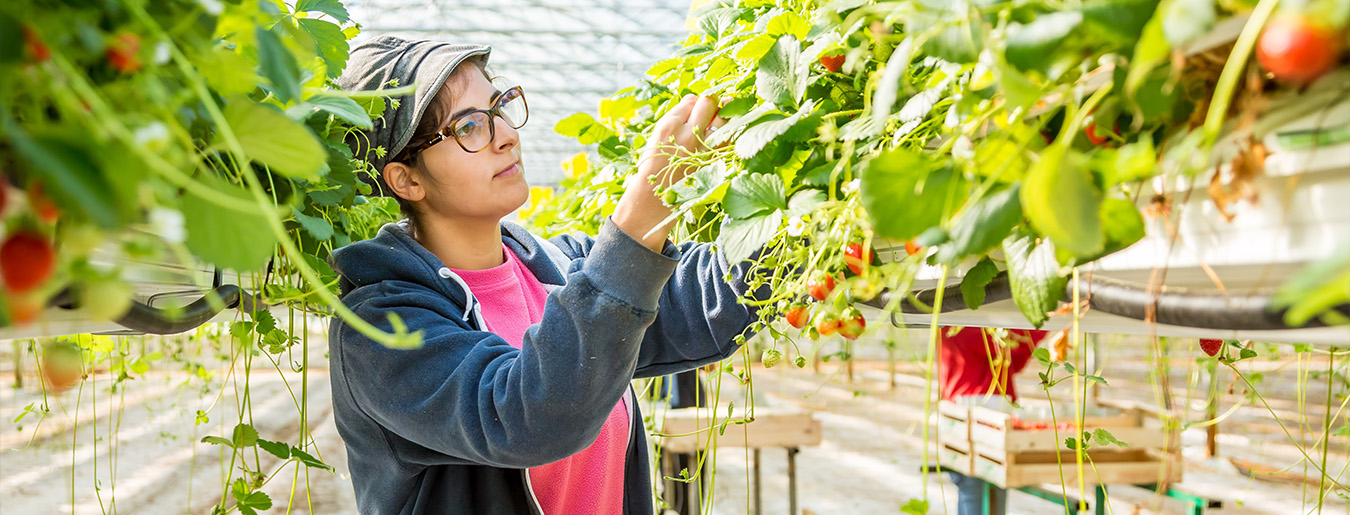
(679, 134)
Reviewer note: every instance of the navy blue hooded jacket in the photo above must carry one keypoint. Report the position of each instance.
(450, 427)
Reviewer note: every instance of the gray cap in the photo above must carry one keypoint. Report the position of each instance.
(424, 63)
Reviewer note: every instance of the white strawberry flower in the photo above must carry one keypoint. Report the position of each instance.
(796, 226)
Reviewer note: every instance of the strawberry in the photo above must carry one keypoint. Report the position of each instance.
(832, 63)
(23, 309)
(820, 286)
(1211, 346)
(62, 365)
(41, 204)
(853, 327)
(34, 47)
(1297, 50)
(856, 259)
(912, 248)
(26, 261)
(770, 358)
(827, 326)
(796, 316)
(122, 53)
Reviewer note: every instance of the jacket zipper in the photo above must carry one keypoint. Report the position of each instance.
(529, 492)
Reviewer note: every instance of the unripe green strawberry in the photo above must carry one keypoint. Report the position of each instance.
(771, 358)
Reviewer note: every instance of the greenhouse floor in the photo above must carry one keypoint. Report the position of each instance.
(868, 462)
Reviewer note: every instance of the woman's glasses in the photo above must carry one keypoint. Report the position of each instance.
(476, 129)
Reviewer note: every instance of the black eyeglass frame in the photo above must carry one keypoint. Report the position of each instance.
(513, 94)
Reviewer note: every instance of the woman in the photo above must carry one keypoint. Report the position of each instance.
(519, 399)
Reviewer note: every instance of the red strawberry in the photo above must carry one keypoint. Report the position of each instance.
(796, 316)
(912, 248)
(1211, 346)
(62, 365)
(820, 286)
(1297, 50)
(26, 261)
(852, 328)
(122, 53)
(832, 63)
(41, 204)
(34, 46)
(856, 259)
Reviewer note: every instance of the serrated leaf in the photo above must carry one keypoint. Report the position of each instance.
(216, 440)
(753, 140)
(263, 321)
(754, 194)
(343, 108)
(783, 73)
(804, 202)
(243, 244)
(317, 227)
(740, 239)
(717, 21)
(974, 282)
(329, 42)
(1062, 202)
(308, 460)
(271, 138)
(1042, 355)
(277, 449)
(1105, 437)
(735, 125)
(928, 189)
(245, 436)
(332, 8)
(1033, 274)
(754, 48)
(983, 225)
(277, 65)
(1029, 46)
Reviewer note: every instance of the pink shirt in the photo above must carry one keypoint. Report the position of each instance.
(590, 481)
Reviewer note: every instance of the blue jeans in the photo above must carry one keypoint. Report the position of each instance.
(969, 492)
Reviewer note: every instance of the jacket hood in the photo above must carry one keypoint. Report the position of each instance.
(392, 255)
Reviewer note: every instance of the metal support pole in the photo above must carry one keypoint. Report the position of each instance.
(757, 484)
(792, 480)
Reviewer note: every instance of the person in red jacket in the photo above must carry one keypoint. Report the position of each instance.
(975, 368)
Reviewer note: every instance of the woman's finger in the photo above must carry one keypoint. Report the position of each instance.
(704, 111)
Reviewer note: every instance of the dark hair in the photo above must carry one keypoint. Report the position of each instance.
(436, 116)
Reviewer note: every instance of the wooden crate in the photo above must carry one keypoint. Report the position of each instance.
(688, 428)
(987, 443)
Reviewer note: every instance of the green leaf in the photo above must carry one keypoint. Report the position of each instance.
(1151, 51)
(915, 507)
(753, 140)
(308, 460)
(263, 321)
(983, 226)
(1245, 354)
(735, 125)
(1020, 91)
(1185, 20)
(753, 194)
(216, 440)
(243, 244)
(718, 21)
(317, 227)
(1029, 46)
(1316, 291)
(332, 8)
(277, 449)
(783, 73)
(269, 137)
(277, 65)
(1117, 21)
(905, 193)
(329, 42)
(740, 239)
(974, 282)
(1062, 202)
(754, 48)
(1000, 158)
(69, 174)
(1033, 274)
(343, 108)
(227, 72)
(788, 23)
(248, 501)
(245, 436)
(1135, 161)
(1042, 355)
(1122, 224)
(804, 202)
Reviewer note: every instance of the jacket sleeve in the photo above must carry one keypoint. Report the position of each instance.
(468, 395)
(700, 313)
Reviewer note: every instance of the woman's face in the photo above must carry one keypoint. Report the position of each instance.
(488, 184)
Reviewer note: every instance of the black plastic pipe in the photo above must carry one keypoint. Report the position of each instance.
(150, 320)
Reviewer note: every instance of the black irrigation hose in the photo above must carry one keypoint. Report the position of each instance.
(149, 320)
(1171, 306)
